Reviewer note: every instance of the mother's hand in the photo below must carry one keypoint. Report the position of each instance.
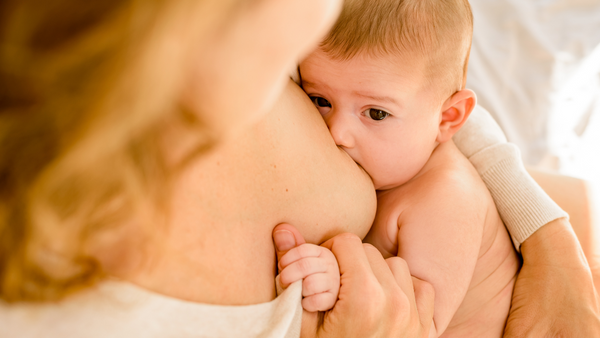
(554, 295)
(378, 298)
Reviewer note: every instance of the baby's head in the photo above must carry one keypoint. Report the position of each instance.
(389, 81)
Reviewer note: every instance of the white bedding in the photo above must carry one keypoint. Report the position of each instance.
(535, 65)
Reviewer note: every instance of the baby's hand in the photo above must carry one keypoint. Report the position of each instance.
(319, 269)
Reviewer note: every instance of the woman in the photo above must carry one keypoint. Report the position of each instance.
(160, 143)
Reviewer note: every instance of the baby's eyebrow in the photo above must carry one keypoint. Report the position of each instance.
(378, 98)
(308, 83)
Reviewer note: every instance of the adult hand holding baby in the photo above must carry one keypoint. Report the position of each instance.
(554, 294)
(377, 297)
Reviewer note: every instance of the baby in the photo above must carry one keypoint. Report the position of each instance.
(389, 82)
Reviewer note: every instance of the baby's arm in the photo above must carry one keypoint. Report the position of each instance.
(319, 270)
(440, 238)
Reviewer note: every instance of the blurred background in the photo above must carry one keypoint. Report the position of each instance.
(535, 65)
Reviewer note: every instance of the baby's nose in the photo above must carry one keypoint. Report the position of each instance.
(340, 128)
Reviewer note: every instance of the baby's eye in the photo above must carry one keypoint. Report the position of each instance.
(377, 114)
(320, 102)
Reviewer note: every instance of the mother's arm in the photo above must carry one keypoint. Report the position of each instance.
(554, 293)
(575, 196)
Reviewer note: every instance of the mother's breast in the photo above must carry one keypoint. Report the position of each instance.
(318, 186)
(284, 169)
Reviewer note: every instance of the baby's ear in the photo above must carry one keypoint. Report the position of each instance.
(455, 112)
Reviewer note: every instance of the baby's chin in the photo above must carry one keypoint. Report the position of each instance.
(380, 186)
(385, 184)
(376, 183)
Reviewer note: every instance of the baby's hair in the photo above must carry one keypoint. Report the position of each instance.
(437, 31)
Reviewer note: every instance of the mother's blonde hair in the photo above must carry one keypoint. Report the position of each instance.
(86, 88)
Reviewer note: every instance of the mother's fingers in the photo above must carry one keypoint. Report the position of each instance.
(419, 294)
(380, 267)
(349, 252)
(402, 276)
(376, 297)
(425, 297)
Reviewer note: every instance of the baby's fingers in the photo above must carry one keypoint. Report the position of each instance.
(319, 283)
(299, 252)
(319, 302)
(301, 269)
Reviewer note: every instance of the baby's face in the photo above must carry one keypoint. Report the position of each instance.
(378, 110)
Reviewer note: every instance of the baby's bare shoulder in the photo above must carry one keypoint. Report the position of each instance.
(447, 194)
(449, 178)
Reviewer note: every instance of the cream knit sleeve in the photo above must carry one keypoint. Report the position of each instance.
(522, 204)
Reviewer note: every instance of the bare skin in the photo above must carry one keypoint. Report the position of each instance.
(444, 223)
(433, 209)
(369, 291)
(527, 311)
(576, 197)
(203, 255)
(549, 263)
(322, 192)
